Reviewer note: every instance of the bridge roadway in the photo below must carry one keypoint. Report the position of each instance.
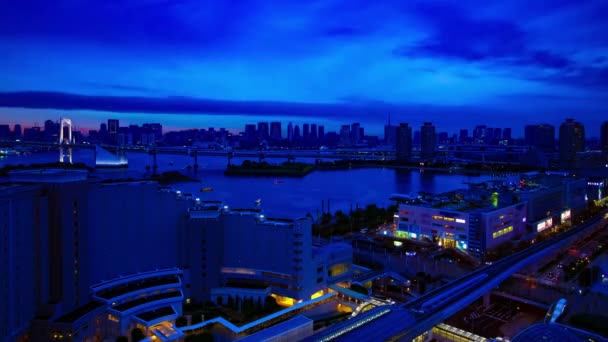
(407, 321)
(366, 154)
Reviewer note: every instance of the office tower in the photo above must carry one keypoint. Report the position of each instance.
(113, 125)
(540, 136)
(345, 139)
(604, 137)
(403, 142)
(362, 132)
(506, 133)
(17, 132)
(497, 135)
(154, 128)
(306, 132)
(313, 132)
(479, 133)
(571, 140)
(464, 136)
(103, 131)
(290, 132)
(321, 132)
(296, 133)
(263, 132)
(355, 133)
(5, 131)
(250, 133)
(427, 141)
(275, 131)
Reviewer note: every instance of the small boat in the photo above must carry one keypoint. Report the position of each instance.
(278, 181)
(206, 189)
(258, 201)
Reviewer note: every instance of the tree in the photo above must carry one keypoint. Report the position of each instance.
(137, 335)
(181, 321)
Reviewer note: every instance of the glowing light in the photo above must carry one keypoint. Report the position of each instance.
(397, 243)
(464, 246)
(262, 216)
(396, 216)
(460, 221)
(316, 294)
(385, 232)
(413, 235)
(225, 207)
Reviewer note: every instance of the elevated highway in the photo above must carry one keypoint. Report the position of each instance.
(406, 322)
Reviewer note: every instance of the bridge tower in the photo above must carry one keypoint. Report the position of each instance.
(65, 122)
(62, 140)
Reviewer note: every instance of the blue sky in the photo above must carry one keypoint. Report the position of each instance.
(192, 62)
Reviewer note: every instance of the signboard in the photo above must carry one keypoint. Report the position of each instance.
(566, 214)
(544, 224)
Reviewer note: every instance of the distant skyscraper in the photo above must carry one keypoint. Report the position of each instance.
(604, 137)
(321, 133)
(290, 132)
(571, 140)
(250, 133)
(345, 139)
(306, 132)
(479, 133)
(313, 132)
(427, 141)
(17, 131)
(355, 132)
(296, 133)
(497, 134)
(506, 134)
(263, 130)
(275, 131)
(403, 142)
(540, 136)
(464, 136)
(5, 131)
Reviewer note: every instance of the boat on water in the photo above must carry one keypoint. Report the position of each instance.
(258, 201)
(208, 189)
(278, 181)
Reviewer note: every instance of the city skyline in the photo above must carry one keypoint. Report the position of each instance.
(327, 60)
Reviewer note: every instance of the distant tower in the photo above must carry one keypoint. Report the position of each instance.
(403, 142)
(290, 132)
(571, 140)
(427, 141)
(604, 138)
(65, 122)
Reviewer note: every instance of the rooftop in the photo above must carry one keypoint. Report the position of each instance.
(279, 329)
(79, 312)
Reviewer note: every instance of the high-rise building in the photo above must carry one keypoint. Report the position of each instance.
(506, 133)
(604, 137)
(263, 132)
(290, 132)
(250, 133)
(345, 139)
(113, 125)
(306, 132)
(355, 133)
(540, 136)
(321, 132)
(390, 134)
(403, 142)
(275, 131)
(17, 131)
(154, 128)
(296, 133)
(313, 132)
(571, 140)
(479, 133)
(464, 136)
(427, 141)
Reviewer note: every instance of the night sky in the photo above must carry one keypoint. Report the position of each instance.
(195, 63)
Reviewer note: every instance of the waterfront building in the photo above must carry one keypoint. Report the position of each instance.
(403, 142)
(571, 141)
(603, 138)
(290, 132)
(275, 131)
(427, 141)
(313, 133)
(263, 132)
(487, 214)
(91, 259)
(542, 137)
